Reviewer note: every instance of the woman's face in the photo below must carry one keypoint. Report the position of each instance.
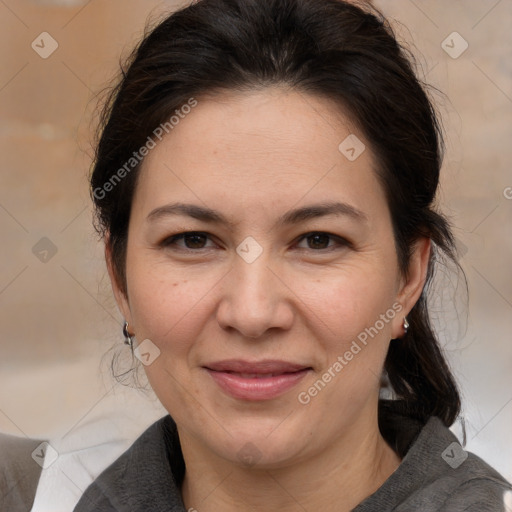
(269, 324)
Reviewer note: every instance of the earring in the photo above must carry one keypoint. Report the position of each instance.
(406, 325)
(128, 338)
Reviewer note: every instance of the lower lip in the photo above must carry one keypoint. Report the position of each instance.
(256, 389)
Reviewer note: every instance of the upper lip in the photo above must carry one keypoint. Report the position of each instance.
(265, 366)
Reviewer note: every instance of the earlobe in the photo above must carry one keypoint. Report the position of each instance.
(119, 294)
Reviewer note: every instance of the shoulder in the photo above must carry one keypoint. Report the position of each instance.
(471, 484)
(450, 479)
(436, 474)
(142, 478)
(21, 464)
(484, 493)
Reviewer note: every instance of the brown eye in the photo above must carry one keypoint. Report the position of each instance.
(318, 241)
(195, 240)
(189, 240)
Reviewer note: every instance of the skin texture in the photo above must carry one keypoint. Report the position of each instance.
(253, 157)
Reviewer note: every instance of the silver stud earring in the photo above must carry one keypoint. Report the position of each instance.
(128, 338)
(406, 325)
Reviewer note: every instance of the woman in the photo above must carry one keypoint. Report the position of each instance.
(265, 182)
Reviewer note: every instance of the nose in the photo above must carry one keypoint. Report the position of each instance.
(255, 300)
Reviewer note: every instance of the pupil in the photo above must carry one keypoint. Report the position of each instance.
(319, 241)
(195, 241)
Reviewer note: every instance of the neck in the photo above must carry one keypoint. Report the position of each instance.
(337, 479)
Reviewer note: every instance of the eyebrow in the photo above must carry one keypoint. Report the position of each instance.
(292, 217)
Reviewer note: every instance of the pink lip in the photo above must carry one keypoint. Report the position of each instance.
(262, 380)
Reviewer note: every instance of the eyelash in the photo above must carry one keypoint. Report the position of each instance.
(341, 242)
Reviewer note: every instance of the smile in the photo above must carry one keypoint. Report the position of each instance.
(263, 380)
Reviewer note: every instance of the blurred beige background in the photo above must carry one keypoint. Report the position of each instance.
(57, 317)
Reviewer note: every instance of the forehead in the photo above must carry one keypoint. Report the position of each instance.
(262, 148)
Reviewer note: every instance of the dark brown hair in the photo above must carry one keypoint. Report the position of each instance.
(328, 48)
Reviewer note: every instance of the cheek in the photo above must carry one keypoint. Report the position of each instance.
(353, 318)
(167, 307)
(348, 303)
(171, 311)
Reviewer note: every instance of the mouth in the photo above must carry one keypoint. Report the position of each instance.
(256, 381)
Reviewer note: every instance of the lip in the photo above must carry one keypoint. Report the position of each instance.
(260, 380)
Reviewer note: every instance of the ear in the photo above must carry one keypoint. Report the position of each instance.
(119, 294)
(411, 285)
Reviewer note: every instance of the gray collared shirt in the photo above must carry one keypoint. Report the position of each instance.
(436, 475)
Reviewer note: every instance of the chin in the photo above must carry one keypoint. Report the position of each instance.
(263, 444)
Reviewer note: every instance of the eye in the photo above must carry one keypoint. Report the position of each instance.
(192, 240)
(197, 240)
(319, 240)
